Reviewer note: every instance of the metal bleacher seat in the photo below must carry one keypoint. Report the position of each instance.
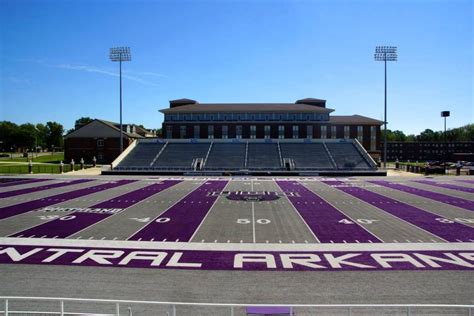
(307, 155)
(347, 156)
(180, 155)
(226, 156)
(141, 156)
(263, 156)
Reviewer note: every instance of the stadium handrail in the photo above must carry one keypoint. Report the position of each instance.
(124, 153)
(117, 304)
(364, 153)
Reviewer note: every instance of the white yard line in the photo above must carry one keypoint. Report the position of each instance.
(253, 222)
(121, 244)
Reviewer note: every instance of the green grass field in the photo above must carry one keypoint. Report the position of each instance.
(54, 158)
(19, 169)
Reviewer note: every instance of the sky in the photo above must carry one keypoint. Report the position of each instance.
(54, 63)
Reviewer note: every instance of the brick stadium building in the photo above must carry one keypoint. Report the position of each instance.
(100, 139)
(426, 151)
(306, 118)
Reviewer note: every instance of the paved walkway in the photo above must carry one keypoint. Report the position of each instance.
(85, 172)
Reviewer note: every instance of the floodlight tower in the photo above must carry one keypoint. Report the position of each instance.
(120, 54)
(385, 53)
(445, 114)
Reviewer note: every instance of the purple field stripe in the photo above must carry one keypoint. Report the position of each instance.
(131, 198)
(13, 210)
(64, 227)
(446, 186)
(41, 188)
(451, 200)
(202, 260)
(466, 181)
(418, 217)
(20, 182)
(185, 216)
(322, 218)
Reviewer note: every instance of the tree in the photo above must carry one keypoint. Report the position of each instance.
(82, 121)
(8, 132)
(399, 136)
(42, 133)
(429, 135)
(54, 135)
(26, 136)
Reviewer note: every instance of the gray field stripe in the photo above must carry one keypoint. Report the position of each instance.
(391, 216)
(342, 211)
(72, 212)
(285, 222)
(209, 211)
(449, 193)
(28, 185)
(411, 200)
(158, 216)
(21, 182)
(44, 194)
(437, 189)
(127, 208)
(447, 199)
(298, 213)
(52, 197)
(405, 204)
(445, 185)
(47, 187)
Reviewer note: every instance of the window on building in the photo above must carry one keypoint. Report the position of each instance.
(281, 131)
(360, 134)
(333, 132)
(324, 132)
(253, 131)
(373, 138)
(295, 131)
(100, 142)
(182, 131)
(210, 131)
(238, 131)
(197, 131)
(347, 130)
(267, 131)
(225, 131)
(309, 131)
(169, 131)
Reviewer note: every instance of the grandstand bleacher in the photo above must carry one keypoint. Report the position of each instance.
(307, 156)
(224, 156)
(263, 156)
(346, 156)
(142, 155)
(180, 155)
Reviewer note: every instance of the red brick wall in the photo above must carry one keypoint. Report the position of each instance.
(87, 148)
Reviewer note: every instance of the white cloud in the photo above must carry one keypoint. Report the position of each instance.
(135, 76)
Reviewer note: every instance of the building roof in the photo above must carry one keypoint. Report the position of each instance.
(246, 107)
(109, 124)
(353, 119)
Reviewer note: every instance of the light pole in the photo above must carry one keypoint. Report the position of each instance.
(120, 54)
(385, 53)
(445, 114)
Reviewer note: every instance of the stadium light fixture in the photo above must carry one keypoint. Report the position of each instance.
(385, 53)
(120, 54)
(445, 114)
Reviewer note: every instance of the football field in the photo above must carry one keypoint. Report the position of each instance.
(240, 240)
